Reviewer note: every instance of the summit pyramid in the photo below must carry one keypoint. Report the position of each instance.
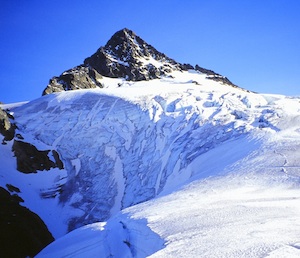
(125, 56)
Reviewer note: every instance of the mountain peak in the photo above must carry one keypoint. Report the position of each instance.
(124, 34)
(127, 42)
(127, 56)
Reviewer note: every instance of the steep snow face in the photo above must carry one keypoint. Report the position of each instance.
(123, 146)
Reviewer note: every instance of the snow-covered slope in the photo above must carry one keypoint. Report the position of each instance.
(180, 166)
(232, 216)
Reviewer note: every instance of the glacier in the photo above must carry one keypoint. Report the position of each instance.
(180, 166)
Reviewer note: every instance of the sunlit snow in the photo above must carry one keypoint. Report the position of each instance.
(172, 167)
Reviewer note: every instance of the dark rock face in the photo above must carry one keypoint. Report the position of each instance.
(30, 159)
(12, 188)
(186, 67)
(206, 71)
(126, 56)
(80, 77)
(211, 75)
(7, 129)
(22, 232)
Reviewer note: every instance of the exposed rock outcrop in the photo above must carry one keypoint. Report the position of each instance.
(80, 77)
(30, 159)
(211, 75)
(7, 129)
(125, 56)
(22, 232)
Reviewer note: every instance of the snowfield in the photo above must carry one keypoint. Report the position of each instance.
(172, 167)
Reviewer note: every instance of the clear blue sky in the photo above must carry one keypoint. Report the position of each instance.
(255, 43)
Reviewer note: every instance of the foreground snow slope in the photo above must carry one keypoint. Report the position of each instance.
(252, 210)
(180, 166)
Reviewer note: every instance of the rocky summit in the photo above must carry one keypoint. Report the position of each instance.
(125, 56)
